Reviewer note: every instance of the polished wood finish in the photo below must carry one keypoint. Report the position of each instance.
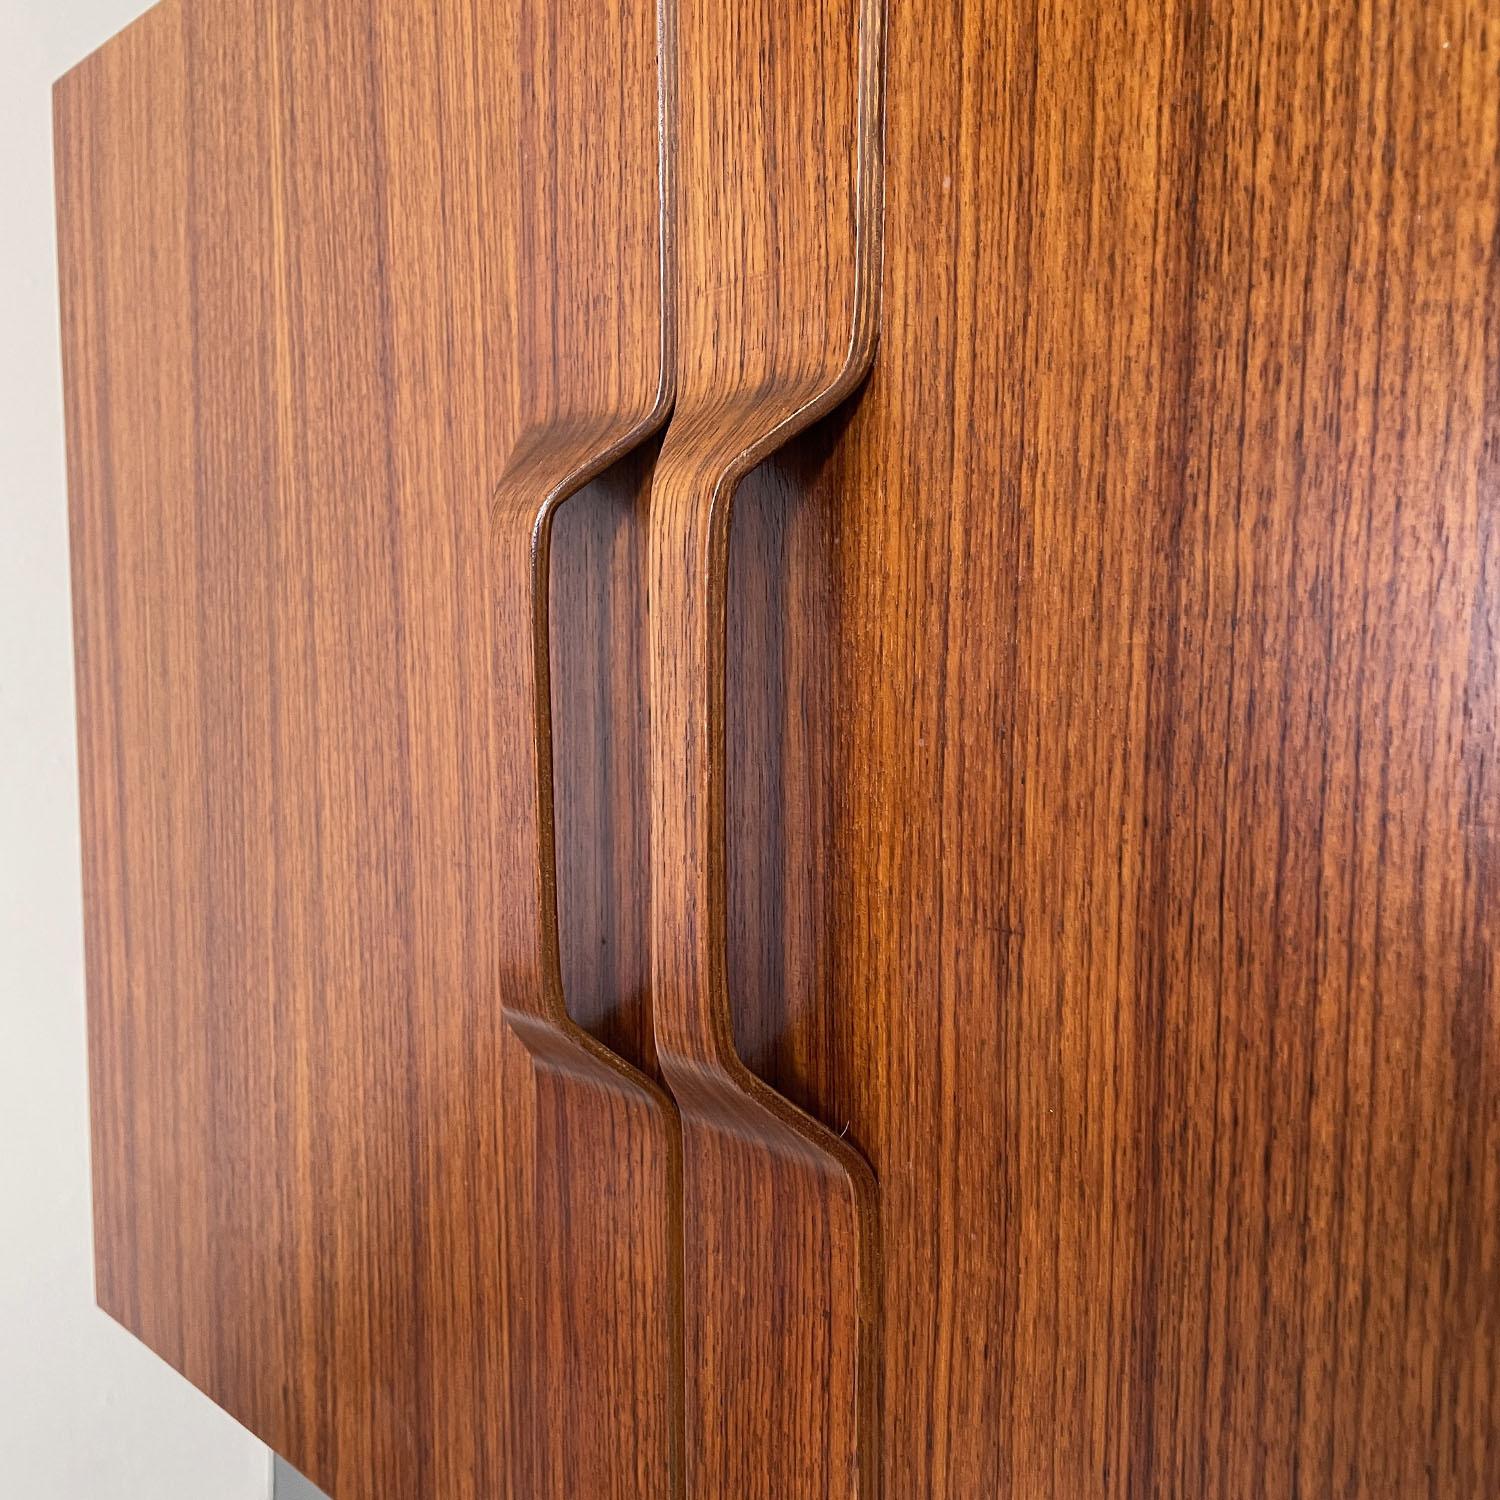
(309, 310)
(289, 376)
(1068, 821)
(1140, 692)
(286, 404)
(602, 1386)
(777, 261)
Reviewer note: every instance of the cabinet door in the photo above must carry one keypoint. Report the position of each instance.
(335, 275)
(1112, 756)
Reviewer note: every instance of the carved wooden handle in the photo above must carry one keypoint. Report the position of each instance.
(599, 1345)
(546, 469)
(778, 254)
(596, 1311)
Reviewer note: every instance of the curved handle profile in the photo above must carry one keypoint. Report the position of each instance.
(778, 259)
(601, 1355)
(596, 1346)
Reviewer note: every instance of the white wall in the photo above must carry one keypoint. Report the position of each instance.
(86, 1413)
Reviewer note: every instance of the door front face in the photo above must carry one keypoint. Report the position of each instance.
(1111, 711)
(1130, 738)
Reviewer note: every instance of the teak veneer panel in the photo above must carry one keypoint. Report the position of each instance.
(1073, 769)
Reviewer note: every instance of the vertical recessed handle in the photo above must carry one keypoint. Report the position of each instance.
(595, 1377)
(778, 169)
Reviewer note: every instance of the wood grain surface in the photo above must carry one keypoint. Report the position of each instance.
(777, 261)
(314, 257)
(1072, 759)
(602, 1386)
(289, 380)
(1138, 692)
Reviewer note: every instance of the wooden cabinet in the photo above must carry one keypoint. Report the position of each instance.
(788, 719)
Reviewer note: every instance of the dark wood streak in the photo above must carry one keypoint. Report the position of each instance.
(777, 272)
